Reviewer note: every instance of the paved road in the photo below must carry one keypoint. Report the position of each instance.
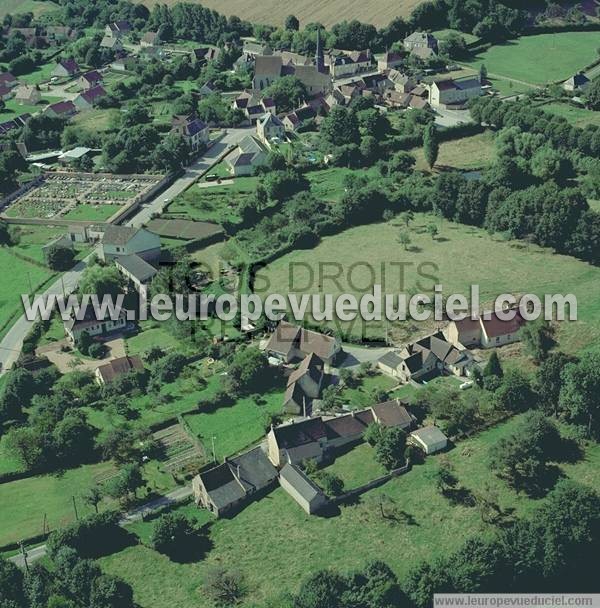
(11, 344)
(451, 118)
(231, 138)
(36, 553)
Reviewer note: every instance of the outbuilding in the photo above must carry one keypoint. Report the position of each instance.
(304, 491)
(430, 439)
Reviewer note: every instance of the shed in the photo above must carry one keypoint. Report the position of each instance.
(304, 491)
(430, 439)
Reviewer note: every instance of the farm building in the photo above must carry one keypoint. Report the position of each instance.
(430, 439)
(136, 270)
(290, 342)
(302, 489)
(304, 385)
(228, 485)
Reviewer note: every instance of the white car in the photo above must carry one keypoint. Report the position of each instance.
(465, 385)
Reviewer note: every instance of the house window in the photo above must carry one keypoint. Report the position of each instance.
(498, 339)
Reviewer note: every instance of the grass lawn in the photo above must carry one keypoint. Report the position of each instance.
(210, 258)
(41, 74)
(276, 545)
(23, 278)
(33, 238)
(473, 152)
(328, 184)
(216, 204)
(149, 337)
(99, 213)
(237, 426)
(24, 502)
(539, 59)
(362, 396)
(357, 467)
(96, 120)
(13, 109)
(496, 265)
(579, 117)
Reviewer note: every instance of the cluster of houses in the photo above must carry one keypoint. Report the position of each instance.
(226, 487)
(446, 352)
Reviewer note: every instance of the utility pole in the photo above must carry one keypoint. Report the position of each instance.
(75, 508)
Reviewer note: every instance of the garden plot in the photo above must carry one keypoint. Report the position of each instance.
(84, 196)
(180, 450)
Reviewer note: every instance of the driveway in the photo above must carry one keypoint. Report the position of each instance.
(451, 118)
(68, 361)
(11, 344)
(363, 354)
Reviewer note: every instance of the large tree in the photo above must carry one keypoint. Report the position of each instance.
(579, 396)
(431, 146)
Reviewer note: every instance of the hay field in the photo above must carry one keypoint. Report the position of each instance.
(274, 12)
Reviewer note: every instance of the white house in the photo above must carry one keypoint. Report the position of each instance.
(578, 82)
(195, 132)
(136, 270)
(249, 154)
(74, 328)
(451, 93)
(269, 127)
(117, 241)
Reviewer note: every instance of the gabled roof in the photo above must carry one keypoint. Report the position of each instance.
(137, 267)
(284, 338)
(393, 413)
(92, 76)
(391, 359)
(267, 65)
(222, 486)
(63, 107)
(429, 435)
(307, 489)
(118, 235)
(70, 65)
(495, 327)
(348, 425)
(578, 80)
(312, 366)
(120, 26)
(269, 119)
(117, 367)
(7, 78)
(300, 433)
(94, 93)
(253, 469)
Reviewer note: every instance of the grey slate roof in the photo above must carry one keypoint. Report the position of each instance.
(300, 482)
(429, 435)
(118, 235)
(255, 469)
(137, 267)
(391, 359)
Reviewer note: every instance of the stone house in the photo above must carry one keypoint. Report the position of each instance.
(89, 80)
(487, 331)
(451, 93)
(137, 271)
(117, 367)
(195, 132)
(302, 489)
(27, 94)
(268, 127)
(249, 154)
(227, 486)
(66, 68)
(304, 385)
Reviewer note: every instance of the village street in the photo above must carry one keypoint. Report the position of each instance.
(10, 345)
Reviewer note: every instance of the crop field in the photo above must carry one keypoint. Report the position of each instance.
(459, 257)
(286, 544)
(539, 59)
(274, 12)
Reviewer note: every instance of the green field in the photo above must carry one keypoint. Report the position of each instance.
(237, 426)
(286, 545)
(25, 6)
(97, 120)
(23, 278)
(539, 59)
(361, 396)
(23, 503)
(473, 152)
(579, 117)
(459, 257)
(95, 213)
(41, 74)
